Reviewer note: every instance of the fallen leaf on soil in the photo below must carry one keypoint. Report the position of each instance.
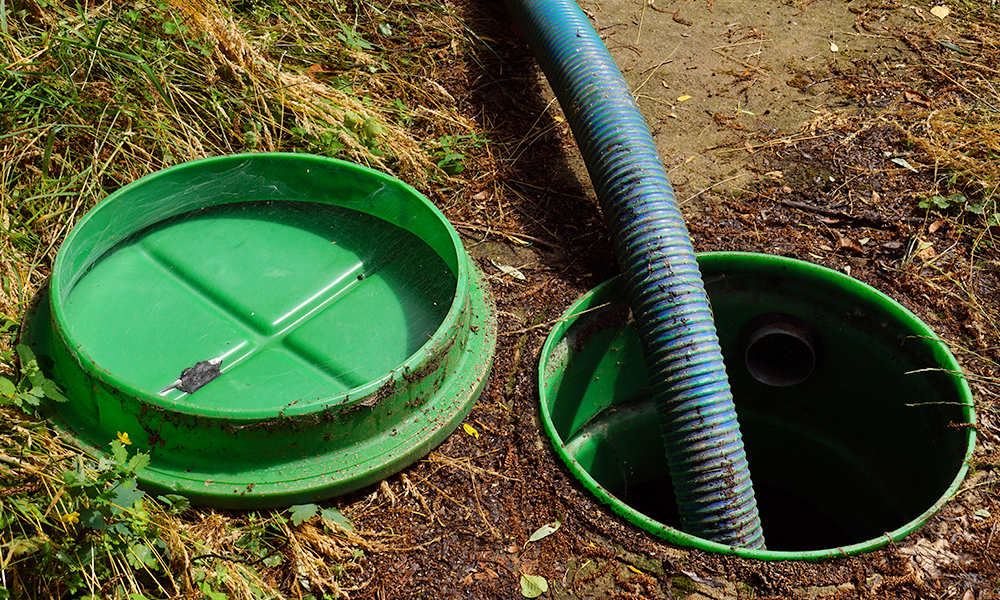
(469, 429)
(533, 586)
(936, 225)
(940, 11)
(903, 163)
(509, 270)
(683, 98)
(918, 98)
(545, 531)
(847, 242)
(851, 244)
(925, 250)
(928, 558)
(954, 47)
(315, 69)
(479, 196)
(774, 175)
(709, 581)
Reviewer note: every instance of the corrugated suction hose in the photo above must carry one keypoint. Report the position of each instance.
(697, 415)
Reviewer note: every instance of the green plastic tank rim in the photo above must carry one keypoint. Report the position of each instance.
(331, 472)
(717, 261)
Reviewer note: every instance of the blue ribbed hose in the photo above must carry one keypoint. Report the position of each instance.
(697, 416)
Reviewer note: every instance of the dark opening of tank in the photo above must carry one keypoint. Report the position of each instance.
(846, 405)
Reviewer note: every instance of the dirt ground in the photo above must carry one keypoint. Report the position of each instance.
(778, 123)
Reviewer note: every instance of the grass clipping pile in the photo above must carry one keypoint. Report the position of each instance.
(899, 191)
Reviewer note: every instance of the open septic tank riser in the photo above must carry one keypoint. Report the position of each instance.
(354, 333)
(863, 450)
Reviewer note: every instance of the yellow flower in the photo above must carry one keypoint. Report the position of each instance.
(73, 517)
(123, 438)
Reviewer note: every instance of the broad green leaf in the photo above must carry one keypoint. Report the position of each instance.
(533, 586)
(138, 462)
(335, 516)
(212, 594)
(119, 453)
(272, 560)
(33, 397)
(545, 531)
(29, 364)
(72, 478)
(302, 513)
(126, 495)
(92, 519)
(52, 391)
(140, 556)
(176, 502)
(7, 387)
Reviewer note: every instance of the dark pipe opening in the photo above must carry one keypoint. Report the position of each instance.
(780, 350)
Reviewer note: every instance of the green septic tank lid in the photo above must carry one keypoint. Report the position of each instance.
(856, 419)
(271, 328)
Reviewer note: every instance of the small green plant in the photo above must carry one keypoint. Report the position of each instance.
(449, 153)
(959, 203)
(27, 391)
(352, 39)
(96, 528)
(367, 131)
(942, 203)
(106, 499)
